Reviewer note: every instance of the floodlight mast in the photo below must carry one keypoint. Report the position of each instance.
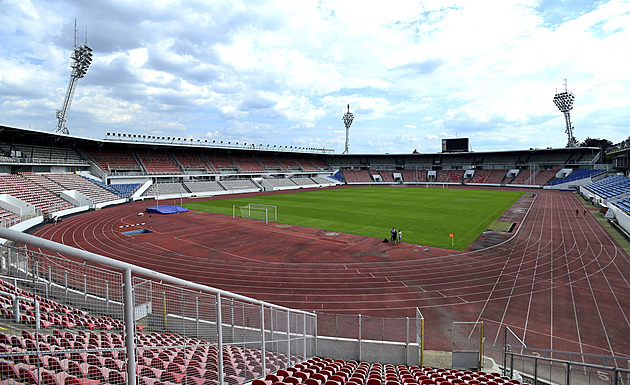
(348, 117)
(564, 102)
(81, 60)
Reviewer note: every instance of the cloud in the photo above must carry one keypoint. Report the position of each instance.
(285, 71)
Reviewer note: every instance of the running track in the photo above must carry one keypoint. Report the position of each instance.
(559, 281)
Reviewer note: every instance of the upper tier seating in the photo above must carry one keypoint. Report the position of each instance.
(305, 164)
(248, 164)
(221, 162)
(115, 161)
(288, 164)
(192, 162)
(44, 154)
(269, 163)
(320, 164)
(158, 163)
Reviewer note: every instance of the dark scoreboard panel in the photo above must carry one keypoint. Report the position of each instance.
(455, 145)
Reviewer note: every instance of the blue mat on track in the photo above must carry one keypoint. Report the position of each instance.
(167, 209)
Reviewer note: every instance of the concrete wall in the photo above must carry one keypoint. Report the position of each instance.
(16, 206)
(397, 353)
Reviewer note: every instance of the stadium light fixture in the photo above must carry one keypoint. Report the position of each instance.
(81, 58)
(564, 102)
(348, 117)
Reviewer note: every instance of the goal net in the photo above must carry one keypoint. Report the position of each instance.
(265, 213)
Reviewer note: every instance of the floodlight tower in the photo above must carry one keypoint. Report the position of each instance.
(564, 102)
(348, 117)
(81, 60)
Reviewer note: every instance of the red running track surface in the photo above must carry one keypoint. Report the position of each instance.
(559, 281)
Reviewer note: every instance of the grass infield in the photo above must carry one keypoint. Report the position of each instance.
(426, 215)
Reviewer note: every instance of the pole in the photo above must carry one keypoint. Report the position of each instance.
(129, 326)
(164, 304)
(481, 347)
(220, 339)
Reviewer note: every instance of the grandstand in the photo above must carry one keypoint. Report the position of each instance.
(67, 319)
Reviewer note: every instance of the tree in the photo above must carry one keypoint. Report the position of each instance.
(604, 144)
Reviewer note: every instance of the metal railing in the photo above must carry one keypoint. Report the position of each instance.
(543, 366)
(138, 318)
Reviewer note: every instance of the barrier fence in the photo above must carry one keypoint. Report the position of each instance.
(399, 340)
(559, 367)
(84, 316)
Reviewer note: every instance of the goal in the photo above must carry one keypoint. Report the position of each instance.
(265, 213)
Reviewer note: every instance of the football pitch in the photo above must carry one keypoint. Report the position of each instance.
(427, 216)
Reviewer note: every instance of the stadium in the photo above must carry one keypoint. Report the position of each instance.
(113, 272)
(156, 258)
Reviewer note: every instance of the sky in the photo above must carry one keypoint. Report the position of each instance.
(282, 72)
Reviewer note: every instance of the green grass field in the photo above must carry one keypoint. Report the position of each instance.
(426, 215)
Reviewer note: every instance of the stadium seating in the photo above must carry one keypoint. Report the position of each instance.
(576, 175)
(480, 176)
(281, 182)
(269, 163)
(69, 181)
(115, 161)
(288, 163)
(306, 164)
(192, 162)
(42, 154)
(203, 186)
(414, 176)
(623, 204)
(386, 175)
(158, 163)
(166, 188)
(496, 176)
(22, 188)
(239, 185)
(125, 189)
(247, 163)
(610, 187)
(221, 162)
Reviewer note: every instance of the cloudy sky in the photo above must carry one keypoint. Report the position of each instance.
(283, 71)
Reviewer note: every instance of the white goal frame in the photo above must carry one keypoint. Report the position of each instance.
(271, 211)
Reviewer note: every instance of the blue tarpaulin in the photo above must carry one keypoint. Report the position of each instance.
(167, 209)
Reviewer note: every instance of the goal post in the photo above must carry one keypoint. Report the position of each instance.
(258, 211)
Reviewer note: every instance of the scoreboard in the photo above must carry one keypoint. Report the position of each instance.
(455, 145)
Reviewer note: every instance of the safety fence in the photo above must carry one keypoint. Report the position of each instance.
(541, 366)
(374, 339)
(86, 317)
